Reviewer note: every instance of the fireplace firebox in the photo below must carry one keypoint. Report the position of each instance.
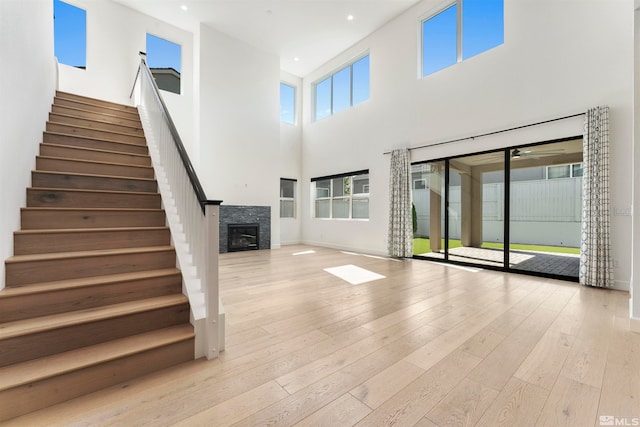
(243, 237)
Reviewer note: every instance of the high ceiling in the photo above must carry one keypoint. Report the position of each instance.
(303, 33)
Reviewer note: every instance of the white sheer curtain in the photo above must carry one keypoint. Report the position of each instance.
(400, 240)
(595, 253)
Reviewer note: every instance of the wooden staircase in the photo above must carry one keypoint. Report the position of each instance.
(93, 297)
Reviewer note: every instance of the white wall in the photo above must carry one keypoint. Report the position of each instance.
(634, 308)
(559, 58)
(27, 86)
(115, 35)
(239, 124)
(291, 161)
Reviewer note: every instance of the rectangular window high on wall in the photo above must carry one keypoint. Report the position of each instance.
(463, 29)
(70, 34)
(287, 104)
(343, 89)
(164, 58)
(343, 196)
(287, 198)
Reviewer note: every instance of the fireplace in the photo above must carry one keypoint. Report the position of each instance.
(234, 216)
(243, 237)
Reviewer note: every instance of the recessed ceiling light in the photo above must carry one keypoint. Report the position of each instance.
(269, 12)
(349, 17)
(296, 59)
(183, 7)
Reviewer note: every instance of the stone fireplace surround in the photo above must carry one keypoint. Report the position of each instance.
(230, 214)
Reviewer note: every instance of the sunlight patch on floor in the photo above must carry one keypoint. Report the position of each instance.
(304, 253)
(353, 274)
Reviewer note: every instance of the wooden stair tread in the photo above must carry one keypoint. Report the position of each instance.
(58, 364)
(54, 321)
(106, 114)
(131, 135)
(67, 209)
(93, 120)
(88, 230)
(92, 175)
(96, 150)
(80, 190)
(95, 102)
(85, 254)
(92, 162)
(60, 285)
(71, 135)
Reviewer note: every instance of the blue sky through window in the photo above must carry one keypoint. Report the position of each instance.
(361, 80)
(162, 53)
(287, 103)
(439, 41)
(323, 99)
(342, 90)
(70, 34)
(482, 26)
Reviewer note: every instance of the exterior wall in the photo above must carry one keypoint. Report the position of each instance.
(290, 162)
(239, 124)
(27, 86)
(535, 76)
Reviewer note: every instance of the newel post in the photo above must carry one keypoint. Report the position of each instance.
(210, 280)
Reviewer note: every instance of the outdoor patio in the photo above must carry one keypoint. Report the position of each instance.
(539, 262)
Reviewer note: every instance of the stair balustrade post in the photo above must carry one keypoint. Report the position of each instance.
(210, 279)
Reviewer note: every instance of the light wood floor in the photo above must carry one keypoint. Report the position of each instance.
(429, 345)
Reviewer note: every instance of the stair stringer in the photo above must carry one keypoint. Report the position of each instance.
(192, 284)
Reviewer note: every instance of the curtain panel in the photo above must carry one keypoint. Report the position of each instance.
(400, 239)
(596, 267)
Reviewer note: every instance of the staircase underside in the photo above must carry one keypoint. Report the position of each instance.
(93, 296)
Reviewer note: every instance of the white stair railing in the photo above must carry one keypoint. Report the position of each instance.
(193, 219)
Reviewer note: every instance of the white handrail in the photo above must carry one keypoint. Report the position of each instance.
(192, 218)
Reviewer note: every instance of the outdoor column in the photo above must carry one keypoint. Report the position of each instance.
(476, 208)
(435, 209)
(466, 213)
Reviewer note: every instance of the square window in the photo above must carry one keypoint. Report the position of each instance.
(70, 34)
(164, 59)
(287, 103)
(419, 184)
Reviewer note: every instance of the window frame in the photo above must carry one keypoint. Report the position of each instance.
(349, 65)
(350, 197)
(289, 199)
(442, 7)
(572, 172)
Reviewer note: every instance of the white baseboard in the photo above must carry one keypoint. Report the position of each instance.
(634, 324)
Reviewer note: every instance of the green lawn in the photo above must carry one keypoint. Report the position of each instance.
(422, 245)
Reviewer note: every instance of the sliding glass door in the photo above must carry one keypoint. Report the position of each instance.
(546, 208)
(467, 208)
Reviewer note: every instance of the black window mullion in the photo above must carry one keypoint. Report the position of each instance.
(446, 210)
(507, 207)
